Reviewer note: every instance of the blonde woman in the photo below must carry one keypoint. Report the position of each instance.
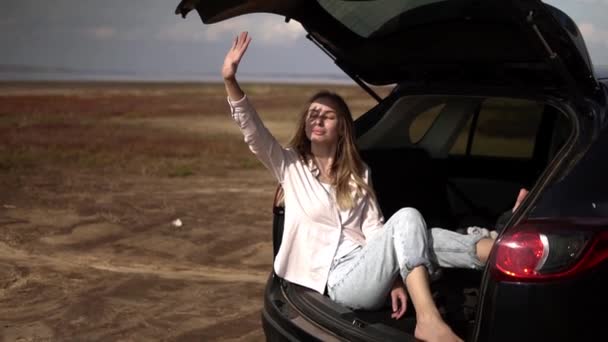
(335, 240)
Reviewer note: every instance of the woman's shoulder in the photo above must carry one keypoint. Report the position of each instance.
(292, 153)
(293, 158)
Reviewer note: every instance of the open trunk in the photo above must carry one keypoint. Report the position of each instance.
(514, 43)
(461, 161)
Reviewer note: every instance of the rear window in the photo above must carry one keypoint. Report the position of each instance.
(423, 122)
(504, 128)
(366, 17)
(457, 126)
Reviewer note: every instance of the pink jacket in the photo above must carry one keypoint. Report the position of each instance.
(312, 221)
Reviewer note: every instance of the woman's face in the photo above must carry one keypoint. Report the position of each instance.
(322, 122)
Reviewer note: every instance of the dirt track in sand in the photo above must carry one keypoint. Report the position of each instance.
(105, 270)
(91, 178)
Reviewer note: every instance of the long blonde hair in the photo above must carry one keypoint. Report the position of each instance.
(348, 165)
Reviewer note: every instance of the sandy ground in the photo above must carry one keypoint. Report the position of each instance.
(111, 266)
(92, 177)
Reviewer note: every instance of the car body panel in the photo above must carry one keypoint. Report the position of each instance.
(562, 310)
(583, 192)
(281, 321)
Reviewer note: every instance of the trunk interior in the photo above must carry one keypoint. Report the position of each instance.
(460, 161)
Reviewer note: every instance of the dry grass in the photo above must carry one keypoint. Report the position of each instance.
(170, 130)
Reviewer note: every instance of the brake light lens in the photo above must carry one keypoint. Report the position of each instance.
(540, 250)
(521, 254)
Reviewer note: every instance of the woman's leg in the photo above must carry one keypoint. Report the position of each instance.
(483, 249)
(449, 249)
(429, 323)
(362, 279)
(409, 230)
(454, 250)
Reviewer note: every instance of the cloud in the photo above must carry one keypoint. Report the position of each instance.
(586, 29)
(264, 29)
(278, 32)
(101, 32)
(593, 34)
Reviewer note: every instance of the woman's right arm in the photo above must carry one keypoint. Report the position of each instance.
(261, 142)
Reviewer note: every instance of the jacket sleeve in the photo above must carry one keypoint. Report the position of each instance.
(261, 142)
(372, 220)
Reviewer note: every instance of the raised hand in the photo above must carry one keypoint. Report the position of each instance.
(234, 55)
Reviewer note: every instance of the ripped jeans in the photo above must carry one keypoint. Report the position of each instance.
(363, 278)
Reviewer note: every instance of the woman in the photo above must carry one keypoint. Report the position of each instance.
(335, 239)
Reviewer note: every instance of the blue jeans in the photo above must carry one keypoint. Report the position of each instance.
(363, 278)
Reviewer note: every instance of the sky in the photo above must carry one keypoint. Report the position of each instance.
(145, 39)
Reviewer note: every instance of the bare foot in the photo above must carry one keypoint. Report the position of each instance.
(434, 330)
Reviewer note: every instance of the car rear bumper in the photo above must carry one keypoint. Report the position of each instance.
(560, 310)
(282, 322)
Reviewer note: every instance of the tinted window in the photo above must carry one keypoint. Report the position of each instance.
(423, 122)
(460, 146)
(366, 17)
(504, 128)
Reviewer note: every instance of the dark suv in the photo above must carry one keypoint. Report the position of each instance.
(489, 97)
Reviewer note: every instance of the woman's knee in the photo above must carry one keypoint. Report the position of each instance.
(409, 212)
(408, 218)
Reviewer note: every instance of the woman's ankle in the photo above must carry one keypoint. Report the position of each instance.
(428, 315)
(434, 328)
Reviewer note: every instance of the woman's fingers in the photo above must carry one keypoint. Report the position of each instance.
(246, 43)
(243, 43)
(239, 47)
(402, 306)
(399, 304)
(395, 302)
(243, 36)
(234, 42)
(240, 40)
(234, 55)
(520, 198)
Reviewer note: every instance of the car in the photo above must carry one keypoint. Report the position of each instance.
(488, 97)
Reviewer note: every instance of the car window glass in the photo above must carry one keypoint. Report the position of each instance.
(504, 128)
(366, 17)
(421, 124)
(460, 146)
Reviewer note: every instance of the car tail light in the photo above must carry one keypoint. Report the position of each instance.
(542, 250)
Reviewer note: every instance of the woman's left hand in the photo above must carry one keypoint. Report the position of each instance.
(398, 298)
(234, 55)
